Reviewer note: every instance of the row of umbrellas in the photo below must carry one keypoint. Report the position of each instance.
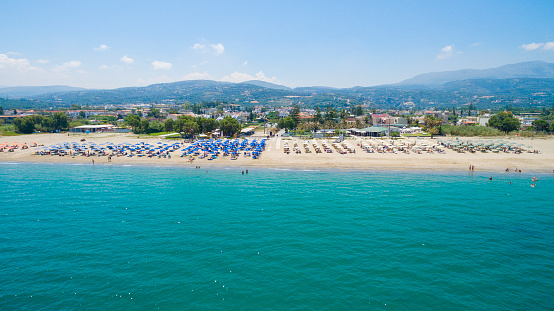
(227, 147)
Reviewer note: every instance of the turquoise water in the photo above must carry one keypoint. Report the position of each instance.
(144, 238)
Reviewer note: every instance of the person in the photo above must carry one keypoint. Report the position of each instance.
(490, 178)
(507, 169)
(246, 171)
(472, 168)
(242, 172)
(92, 161)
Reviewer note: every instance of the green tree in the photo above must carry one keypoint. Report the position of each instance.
(286, 123)
(1, 110)
(504, 121)
(318, 118)
(133, 121)
(295, 115)
(24, 125)
(541, 126)
(173, 111)
(59, 121)
(330, 113)
(82, 114)
(154, 113)
(144, 126)
(229, 126)
(432, 124)
(273, 115)
(358, 110)
(343, 114)
(168, 125)
(206, 125)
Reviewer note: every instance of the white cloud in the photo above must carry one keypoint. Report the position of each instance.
(43, 61)
(245, 63)
(218, 48)
(13, 53)
(548, 46)
(158, 65)
(69, 65)
(198, 46)
(532, 46)
(197, 76)
(104, 67)
(237, 77)
(101, 48)
(446, 52)
(127, 60)
(14, 64)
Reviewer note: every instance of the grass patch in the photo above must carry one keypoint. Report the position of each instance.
(159, 133)
(9, 133)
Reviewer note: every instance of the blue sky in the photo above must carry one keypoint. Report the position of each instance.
(109, 44)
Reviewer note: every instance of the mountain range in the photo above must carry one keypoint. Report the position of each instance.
(534, 69)
(529, 83)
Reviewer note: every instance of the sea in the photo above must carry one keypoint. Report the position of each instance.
(124, 237)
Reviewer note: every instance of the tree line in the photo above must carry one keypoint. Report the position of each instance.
(186, 126)
(30, 124)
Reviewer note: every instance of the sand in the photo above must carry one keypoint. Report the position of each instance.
(274, 157)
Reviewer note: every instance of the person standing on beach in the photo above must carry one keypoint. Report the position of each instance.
(92, 162)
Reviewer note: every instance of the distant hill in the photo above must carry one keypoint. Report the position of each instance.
(28, 91)
(316, 89)
(535, 69)
(267, 85)
(193, 91)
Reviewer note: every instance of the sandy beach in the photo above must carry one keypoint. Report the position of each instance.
(275, 157)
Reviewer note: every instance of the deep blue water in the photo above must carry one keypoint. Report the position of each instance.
(143, 238)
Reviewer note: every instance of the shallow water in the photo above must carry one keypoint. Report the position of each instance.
(143, 238)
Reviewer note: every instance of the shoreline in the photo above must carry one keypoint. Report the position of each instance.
(274, 157)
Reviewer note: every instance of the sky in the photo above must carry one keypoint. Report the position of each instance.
(111, 44)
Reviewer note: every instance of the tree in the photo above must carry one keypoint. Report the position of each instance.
(172, 111)
(318, 118)
(343, 114)
(59, 121)
(541, 125)
(133, 121)
(190, 127)
(206, 125)
(1, 110)
(286, 123)
(82, 114)
(144, 126)
(168, 125)
(155, 113)
(432, 124)
(295, 114)
(330, 113)
(504, 121)
(24, 125)
(229, 126)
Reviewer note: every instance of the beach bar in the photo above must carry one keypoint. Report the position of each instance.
(93, 128)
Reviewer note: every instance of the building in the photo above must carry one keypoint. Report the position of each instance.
(93, 128)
